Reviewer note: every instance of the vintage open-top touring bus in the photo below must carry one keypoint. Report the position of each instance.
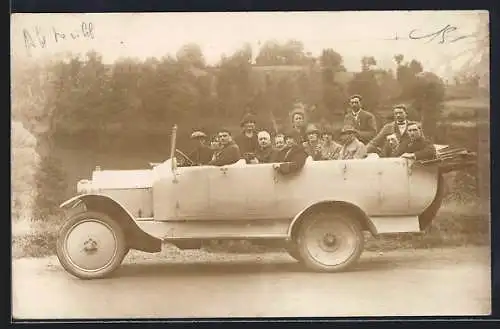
(319, 213)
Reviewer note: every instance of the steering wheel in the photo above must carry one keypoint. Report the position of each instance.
(184, 160)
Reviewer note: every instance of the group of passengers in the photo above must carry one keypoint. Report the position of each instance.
(358, 139)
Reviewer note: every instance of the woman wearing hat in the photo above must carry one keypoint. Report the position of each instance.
(247, 141)
(330, 149)
(352, 148)
(313, 145)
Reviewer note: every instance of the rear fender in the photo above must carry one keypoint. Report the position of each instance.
(135, 237)
(360, 215)
(426, 217)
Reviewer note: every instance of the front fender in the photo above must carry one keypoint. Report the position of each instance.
(136, 237)
(73, 202)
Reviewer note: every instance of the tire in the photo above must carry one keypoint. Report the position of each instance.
(293, 251)
(330, 242)
(91, 245)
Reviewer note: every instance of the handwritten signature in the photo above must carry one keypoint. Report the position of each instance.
(443, 35)
(37, 38)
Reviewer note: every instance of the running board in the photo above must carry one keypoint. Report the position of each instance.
(221, 229)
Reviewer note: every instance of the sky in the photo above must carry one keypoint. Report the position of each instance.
(352, 34)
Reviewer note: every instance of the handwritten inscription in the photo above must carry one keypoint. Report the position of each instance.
(443, 35)
(38, 38)
(447, 34)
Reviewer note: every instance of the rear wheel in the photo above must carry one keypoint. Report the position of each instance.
(330, 241)
(91, 245)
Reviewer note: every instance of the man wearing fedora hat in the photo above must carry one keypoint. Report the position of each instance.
(398, 127)
(361, 120)
(352, 147)
(292, 155)
(247, 141)
(202, 154)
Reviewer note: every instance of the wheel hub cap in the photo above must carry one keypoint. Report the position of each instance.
(331, 242)
(90, 245)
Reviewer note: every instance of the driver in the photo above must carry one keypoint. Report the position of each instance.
(202, 154)
(229, 152)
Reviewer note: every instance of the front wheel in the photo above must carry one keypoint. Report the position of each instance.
(91, 245)
(330, 242)
(293, 251)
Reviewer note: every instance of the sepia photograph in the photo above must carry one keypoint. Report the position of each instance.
(250, 164)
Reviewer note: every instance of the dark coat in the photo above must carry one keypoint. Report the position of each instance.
(266, 155)
(422, 148)
(299, 135)
(294, 158)
(201, 155)
(247, 145)
(378, 142)
(365, 124)
(313, 151)
(388, 151)
(229, 154)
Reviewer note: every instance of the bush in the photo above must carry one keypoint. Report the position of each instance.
(51, 185)
(24, 165)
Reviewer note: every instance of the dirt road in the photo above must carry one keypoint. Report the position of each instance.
(198, 284)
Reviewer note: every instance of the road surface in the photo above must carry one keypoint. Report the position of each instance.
(198, 284)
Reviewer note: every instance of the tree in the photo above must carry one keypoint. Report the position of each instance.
(367, 62)
(429, 95)
(398, 59)
(365, 83)
(191, 54)
(288, 53)
(333, 93)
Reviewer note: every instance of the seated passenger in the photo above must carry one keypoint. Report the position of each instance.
(390, 147)
(351, 148)
(330, 149)
(293, 155)
(228, 153)
(417, 147)
(313, 145)
(202, 154)
(279, 142)
(265, 153)
(247, 139)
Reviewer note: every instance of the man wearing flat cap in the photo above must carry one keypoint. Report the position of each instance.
(398, 127)
(202, 154)
(416, 147)
(247, 140)
(361, 120)
(229, 152)
(352, 147)
(292, 155)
